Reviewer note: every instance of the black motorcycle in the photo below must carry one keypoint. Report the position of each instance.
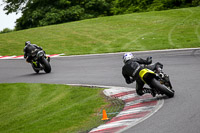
(40, 61)
(159, 82)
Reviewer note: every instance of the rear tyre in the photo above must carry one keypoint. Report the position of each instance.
(46, 65)
(163, 89)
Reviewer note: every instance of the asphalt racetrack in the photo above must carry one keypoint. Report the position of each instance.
(180, 114)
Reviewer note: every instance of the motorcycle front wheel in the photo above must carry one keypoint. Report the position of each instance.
(163, 89)
(35, 69)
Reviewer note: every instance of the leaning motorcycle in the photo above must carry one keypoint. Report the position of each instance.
(160, 83)
(40, 62)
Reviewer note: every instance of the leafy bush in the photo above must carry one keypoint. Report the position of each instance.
(130, 6)
(6, 30)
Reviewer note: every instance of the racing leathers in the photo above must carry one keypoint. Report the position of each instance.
(29, 50)
(131, 70)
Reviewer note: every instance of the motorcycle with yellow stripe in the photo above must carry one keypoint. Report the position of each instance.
(160, 83)
(40, 62)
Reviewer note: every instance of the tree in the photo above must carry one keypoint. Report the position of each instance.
(14, 5)
(37, 13)
(45, 12)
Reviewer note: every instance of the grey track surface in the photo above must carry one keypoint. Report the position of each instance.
(180, 114)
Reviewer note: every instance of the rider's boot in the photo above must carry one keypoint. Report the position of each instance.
(48, 58)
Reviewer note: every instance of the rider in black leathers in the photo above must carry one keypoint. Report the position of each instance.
(28, 49)
(132, 67)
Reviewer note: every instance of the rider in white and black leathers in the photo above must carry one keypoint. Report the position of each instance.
(132, 67)
(28, 49)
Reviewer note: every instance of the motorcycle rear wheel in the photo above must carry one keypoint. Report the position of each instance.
(46, 65)
(163, 89)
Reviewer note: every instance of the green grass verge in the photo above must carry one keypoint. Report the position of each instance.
(44, 108)
(179, 28)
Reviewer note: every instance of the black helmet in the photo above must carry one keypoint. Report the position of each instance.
(27, 42)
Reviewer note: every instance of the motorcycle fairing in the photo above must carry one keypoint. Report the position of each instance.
(146, 75)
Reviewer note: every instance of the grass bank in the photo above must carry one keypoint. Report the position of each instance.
(179, 28)
(44, 108)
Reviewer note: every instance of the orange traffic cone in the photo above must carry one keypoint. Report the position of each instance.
(104, 115)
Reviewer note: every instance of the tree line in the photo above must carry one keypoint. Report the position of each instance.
(36, 13)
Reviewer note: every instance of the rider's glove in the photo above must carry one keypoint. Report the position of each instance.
(149, 60)
(130, 80)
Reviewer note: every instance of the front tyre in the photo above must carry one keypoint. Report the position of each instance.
(34, 68)
(46, 65)
(163, 89)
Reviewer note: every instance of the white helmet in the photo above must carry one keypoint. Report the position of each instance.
(127, 56)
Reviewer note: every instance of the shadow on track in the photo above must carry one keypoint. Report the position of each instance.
(33, 74)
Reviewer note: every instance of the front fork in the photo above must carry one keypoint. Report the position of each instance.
(36, 64)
